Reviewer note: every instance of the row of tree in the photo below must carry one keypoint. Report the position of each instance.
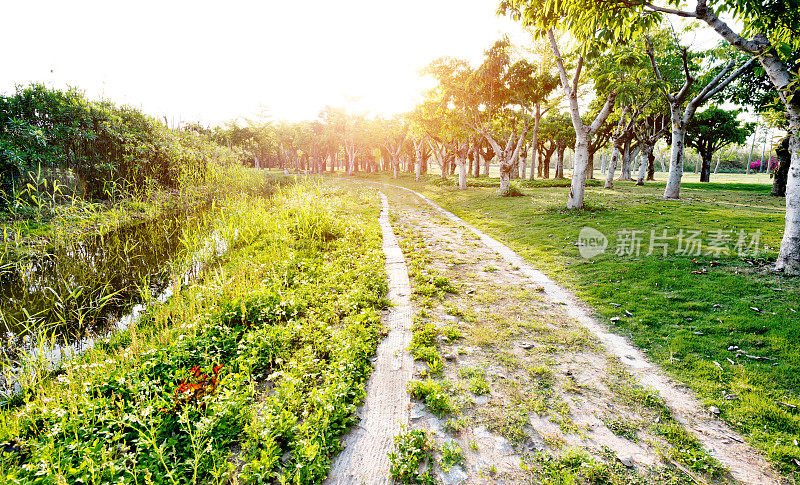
(625, 81)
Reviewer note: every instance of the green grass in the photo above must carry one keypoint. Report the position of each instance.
(253, 372)
(413, 451)
(684, 321)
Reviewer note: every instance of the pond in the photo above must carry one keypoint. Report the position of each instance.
(74, 293)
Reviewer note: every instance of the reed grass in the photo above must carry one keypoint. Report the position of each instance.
(249, 374)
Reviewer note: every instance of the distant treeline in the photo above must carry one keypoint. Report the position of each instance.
(102, 148)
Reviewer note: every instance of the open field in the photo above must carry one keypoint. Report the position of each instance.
(686, 311)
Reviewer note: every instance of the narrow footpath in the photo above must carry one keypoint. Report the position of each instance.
(540, 389)
(386, 409)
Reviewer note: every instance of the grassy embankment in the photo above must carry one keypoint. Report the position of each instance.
(253, 372)
(685, 311)
(40, 215)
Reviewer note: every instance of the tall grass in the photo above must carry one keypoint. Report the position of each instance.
(253, 371)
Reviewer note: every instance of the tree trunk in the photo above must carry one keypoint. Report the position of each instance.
(462, 175)
(590, 169)
(646, 164)
(418, 170)
(782, 170)
(477, 168)
(546, 168)
(560, 163)
(505, 182)
(789, 255)
(394, 166)
(612, 167)
(625, 173)
(534, 150)
(515, 169)
(651, 162)
(705, 171)
(642, 169)
(602, 164)
(673, 188)
(580, 165)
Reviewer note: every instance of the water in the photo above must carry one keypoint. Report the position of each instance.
(87, 289)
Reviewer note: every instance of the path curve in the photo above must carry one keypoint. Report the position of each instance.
(722, 442)
(386, 408)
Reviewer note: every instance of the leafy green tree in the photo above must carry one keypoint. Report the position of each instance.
(561, 131)
(769, 34)
(507, 90)
(712, 130)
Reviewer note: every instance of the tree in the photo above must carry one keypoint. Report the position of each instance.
(648, 131)
(712, 130)
(583, 132)
(448, 112)
(506, 92)
(545, 81)
(683, 107)
(394, 134)
(560, 130)
(768, 34)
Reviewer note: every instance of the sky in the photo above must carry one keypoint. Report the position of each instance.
(215, 61)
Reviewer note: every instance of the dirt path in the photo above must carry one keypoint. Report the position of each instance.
(386, 408)
(539, 395)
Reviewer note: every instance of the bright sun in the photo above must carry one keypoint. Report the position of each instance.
(198, 61)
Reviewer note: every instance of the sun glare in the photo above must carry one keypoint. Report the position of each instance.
(215, 64)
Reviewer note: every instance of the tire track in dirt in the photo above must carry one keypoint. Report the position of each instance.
(745, 463)
(386, 408)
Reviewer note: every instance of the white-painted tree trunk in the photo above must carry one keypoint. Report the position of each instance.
(673, 188)
(417, 170)
(602, 164)
(462, 174)
(611, 168)
(505, 183)
(581, 165)
(646, 154)
(642, 169)
(627, 161)
(788, 260)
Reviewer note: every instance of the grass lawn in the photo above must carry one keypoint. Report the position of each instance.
(685, 311)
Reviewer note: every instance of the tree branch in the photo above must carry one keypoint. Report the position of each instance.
(562, 73)
(577, 75)
(656, 70)
(728, 80)
(689, 79)
(679, 13)
(604, 113)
